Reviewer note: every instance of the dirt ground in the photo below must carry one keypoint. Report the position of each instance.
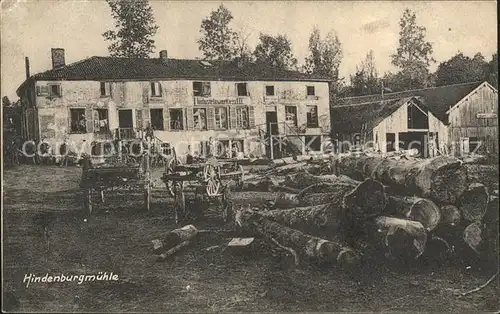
(117, 238)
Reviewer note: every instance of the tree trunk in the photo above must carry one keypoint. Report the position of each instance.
(396, 237)
(303, 179)
(415, 208)
(473, 202)
(306, 246)
(442, 179)
(174, 238)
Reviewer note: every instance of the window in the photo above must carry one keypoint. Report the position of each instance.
(242, 89)
(201, 89)
(312, 116)
(220, 118)
(101, 121)
(105, 89)
(155, 89)
(291, 115)
(55, 90)
(156, 119)
(42, 90)
(269, 90)
(176, 119)
(241, 118)
(50, 90)
(78, 121)
(311, 91)
(200, 118)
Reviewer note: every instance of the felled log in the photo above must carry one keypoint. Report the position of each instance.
(415, 208)
(298, 159)
(473, 202)
(306, 246)
(174, 238)
(473, 236)
(450, 215)
(400, 238)
(442, 179)
(173, 250)
(303, 179)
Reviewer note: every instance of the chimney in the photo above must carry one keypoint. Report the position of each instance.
(58, 58)
(164, 56)
(27, 63)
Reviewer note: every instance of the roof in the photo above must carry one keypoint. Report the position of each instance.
(114, 68)
(438, 99)
(351, 118)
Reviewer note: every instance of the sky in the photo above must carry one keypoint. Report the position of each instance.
(29, 28)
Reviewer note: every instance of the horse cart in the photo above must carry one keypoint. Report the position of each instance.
(207, 180)
(117, 173)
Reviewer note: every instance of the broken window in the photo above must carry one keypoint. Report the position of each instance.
(242, 89)
(155, 89)
(269, 90)
(220, 118)
(176, 119)
(105, 89)
(311, 91)
(78, 121)
(101, 121)
(200, 118)
(201, 89)
(241, 118)
(291, 115)
(156, 119)
(312, 116)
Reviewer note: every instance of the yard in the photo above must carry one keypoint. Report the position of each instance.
(117, 238)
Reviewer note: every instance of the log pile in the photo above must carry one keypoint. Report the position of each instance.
(341, 208)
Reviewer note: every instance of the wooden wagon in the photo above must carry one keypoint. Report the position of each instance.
(207, 179)
(115, 174)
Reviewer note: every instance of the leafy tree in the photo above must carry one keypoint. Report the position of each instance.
(275, 51)
(218, 41)
(135, 28)
(365, 81)
(492, 72)
(324, 55)
(461, 69)
(242, 49)
(414, 54)
(6, 101)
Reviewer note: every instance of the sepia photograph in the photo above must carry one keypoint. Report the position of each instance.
(249, 156)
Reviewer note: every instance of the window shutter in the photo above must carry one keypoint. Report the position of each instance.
(145, 93)
(69, 121)
(166, 119)
(210, 118)
(232, 118)
(89, 114)
(146, 118)
(138, 119)
(251, 118)
(96, 120)
(189, 119)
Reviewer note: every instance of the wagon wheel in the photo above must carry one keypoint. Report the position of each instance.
(170, 169)
(179, 203)
(211, 174)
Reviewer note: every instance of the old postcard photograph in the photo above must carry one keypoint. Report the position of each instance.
(249, 156)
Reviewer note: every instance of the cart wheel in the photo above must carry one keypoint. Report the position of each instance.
(211, 174)
(170, 169)
(179, 204)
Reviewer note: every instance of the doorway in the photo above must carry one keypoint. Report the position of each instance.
(272, 139)
(413, 140)
(125, 123)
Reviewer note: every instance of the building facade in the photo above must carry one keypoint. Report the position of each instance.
(185, 102)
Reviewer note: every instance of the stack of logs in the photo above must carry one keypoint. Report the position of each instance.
(350, 208)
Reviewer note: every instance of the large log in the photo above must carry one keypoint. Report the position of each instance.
(306, 246)
(415, 208)
(450, 215)
(473, 202)
(442, 179)
(399, 237)
(174, 238)
(304, 179)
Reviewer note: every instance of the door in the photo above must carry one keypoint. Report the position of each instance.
(126, 123)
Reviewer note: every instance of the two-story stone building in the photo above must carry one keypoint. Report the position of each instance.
(185, 102)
